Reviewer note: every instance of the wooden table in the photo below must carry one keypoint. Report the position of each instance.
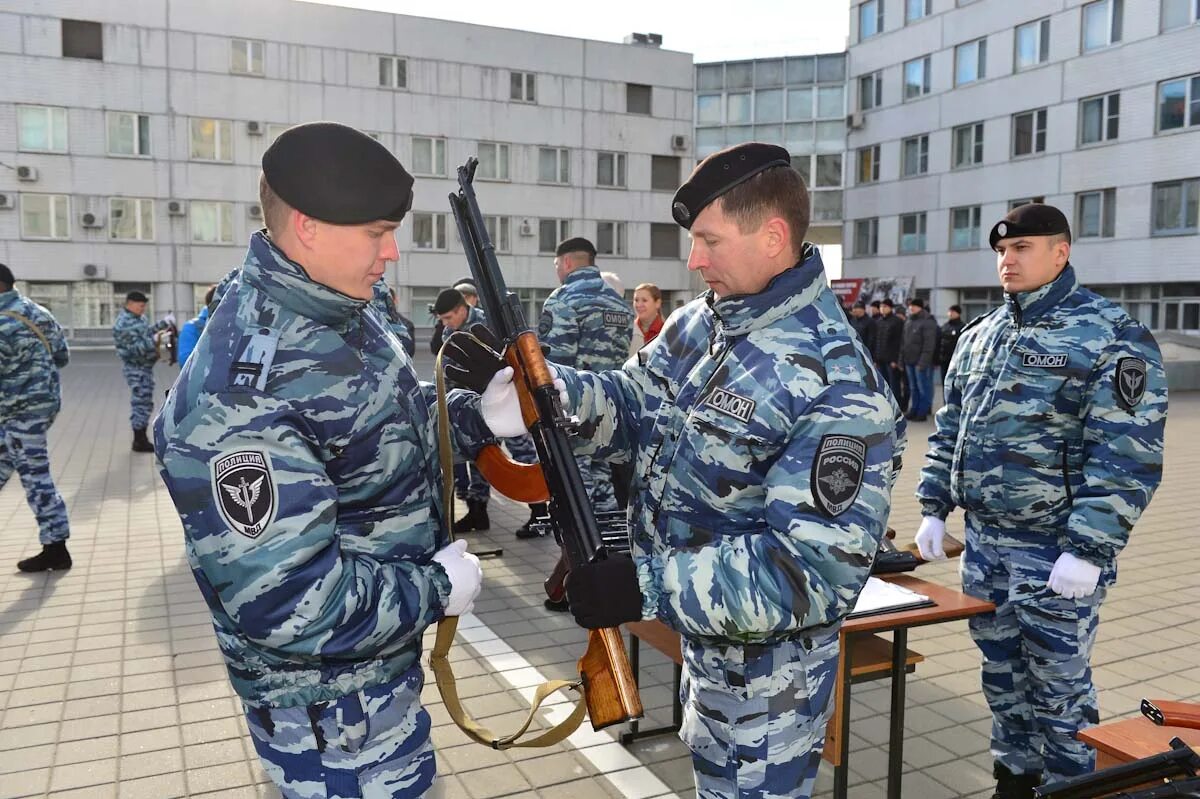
(1132, 739)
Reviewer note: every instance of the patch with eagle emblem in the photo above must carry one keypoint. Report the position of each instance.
(837, 473)
(244, 490)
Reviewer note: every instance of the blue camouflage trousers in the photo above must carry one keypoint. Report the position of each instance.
(754, 716)
(23, 449)
(141, 402)
(373, 744)
(1037, 649)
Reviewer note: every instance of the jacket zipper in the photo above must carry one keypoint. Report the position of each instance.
(1066, 475)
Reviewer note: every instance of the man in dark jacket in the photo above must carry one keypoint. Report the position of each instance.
(949, 339)
(885, 349)
(863, 324)
(918, 352)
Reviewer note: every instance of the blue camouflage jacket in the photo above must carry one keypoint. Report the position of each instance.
(1052, 431)
(29, 381)
(585, 323)
(765, 446)
(134, 338)
(382, 300)
(301, 453)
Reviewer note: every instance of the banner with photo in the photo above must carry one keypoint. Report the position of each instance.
(868, 289)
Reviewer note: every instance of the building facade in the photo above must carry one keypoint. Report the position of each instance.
(133, 134)
(964, 108)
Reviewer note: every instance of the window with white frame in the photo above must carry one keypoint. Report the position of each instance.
(870, 93)
(429, 231)
(522, 87)
(828, 171)
(799, 104)
(1102, 22)
(866, 236)
(554, 165)
(912, 233)
(1029, 133)
(914, 152)
(916, 9)
(737, 108)
(551, 232)
(429, 156)
(1179, 13)
(916, 77)
(1099, 118)
(610, 238)
(664, 240)
(493, 161)
(967, 145)
(41, 128)
(870, 19)
(212, 139)
(131, 218)
(274, 129)
(1176, 207)
(964, 227)
(970, 62)
(498, 230)
(768, 105)
(610, 170)
(1095, 214)
(393, 72)
(1032, 45)
(45, 216)
(212, 222)
(128, 133)
(708, 109)
(1179, 103)
(246, 57)
(868, 164)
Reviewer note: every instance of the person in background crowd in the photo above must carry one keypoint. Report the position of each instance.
(648, 318)
(192, 328)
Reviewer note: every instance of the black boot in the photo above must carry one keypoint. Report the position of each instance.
(140, 442)
(476, 518)
(1014, 786)
(538, 510)
(53, 557)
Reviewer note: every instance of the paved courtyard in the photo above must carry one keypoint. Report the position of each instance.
(111, 683)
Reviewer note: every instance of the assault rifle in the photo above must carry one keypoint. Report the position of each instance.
(608, 683)
(1181, 766)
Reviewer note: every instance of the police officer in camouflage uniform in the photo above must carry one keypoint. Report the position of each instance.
(301, 452)
(32, 350)
(764, 445)
(1051, 441)
(134, 337)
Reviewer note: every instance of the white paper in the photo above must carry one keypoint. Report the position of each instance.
(878, 595)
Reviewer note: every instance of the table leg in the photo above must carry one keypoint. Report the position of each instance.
(896, 734)
(841, 772)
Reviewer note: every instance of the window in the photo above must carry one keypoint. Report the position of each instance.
(1032, 44)
(964, 227)
(1095, 214)
(831, 102)
(45, 216)
(1176, 204)
(212, 140)
(737, 107)
(131, 219)
(498, 231)
(664, 240)
(832, 68)
(554, 165)
(610, 238)
(801, 70)
(246, 57)
(868, 164)
(610, 170)
(1041, 198)
(429, 156)
(1099, 118)
(826, 206)
(212, 222)
(915, 154)
(708, 109)
(1179, 103)
(970, 62)
(1029, 133)
(1179, 13)
(393, 72)
(799, 104)
(1101, 24)
(522, 87)
(274, 130)
(664, 172)
(912, 233)
(429, 231)
(866, 236)
(551, 232)
(870, 19)
(870, 93)
(768, 73)
(768, 105)
(82, 39)
(42, 128)
(916, 77)
(493, 161)
(128, 134)
(829, 171)
(710, 76)
(968, 146)
(915, 10)
(637, 98)
(740, 75)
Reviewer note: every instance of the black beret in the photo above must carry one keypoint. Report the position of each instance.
(888, 302)
(6, 275)
(448, 300)
(1030, 219)
(719, 173)
(337, 174)
(577, 244)
(136, 296)
(917, 301)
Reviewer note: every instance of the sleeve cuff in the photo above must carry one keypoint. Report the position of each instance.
(648, 582)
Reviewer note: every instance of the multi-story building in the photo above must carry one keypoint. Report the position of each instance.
(133, 132)
(964, 109)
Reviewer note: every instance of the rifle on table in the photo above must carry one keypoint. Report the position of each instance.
(890, 560)
(1181, 764)
(1172, 714)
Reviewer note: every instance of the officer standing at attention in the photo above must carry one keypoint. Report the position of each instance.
(301, 453)
(134, 338)
(1051, 441)
(764, 447)
(32, 350)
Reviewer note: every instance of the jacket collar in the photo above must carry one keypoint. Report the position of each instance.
(1028, 306)
(583, 273)
(285, 281)
(9, 299)
(787, 293)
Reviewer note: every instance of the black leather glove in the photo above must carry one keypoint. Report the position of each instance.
(605, 593)
(469, 363)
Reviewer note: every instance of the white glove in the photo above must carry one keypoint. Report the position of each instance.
(1073, 578)
(501, 408)
(929, 538)
(466, 578)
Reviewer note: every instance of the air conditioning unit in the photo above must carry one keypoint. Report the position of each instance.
(176, 208)
(27, 173)
(679, 142)
(254, 128)
(854, 120)
(92, 219)
(94, 272)
(526, 228)
(254, 211)
(7, 201)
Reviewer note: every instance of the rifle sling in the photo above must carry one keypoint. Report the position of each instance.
(32, 327)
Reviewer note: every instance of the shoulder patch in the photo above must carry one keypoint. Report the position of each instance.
(838, 469)
(1131, 382)
(730, 404)
(243, 487)
(1044, 360)
(617, 319)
